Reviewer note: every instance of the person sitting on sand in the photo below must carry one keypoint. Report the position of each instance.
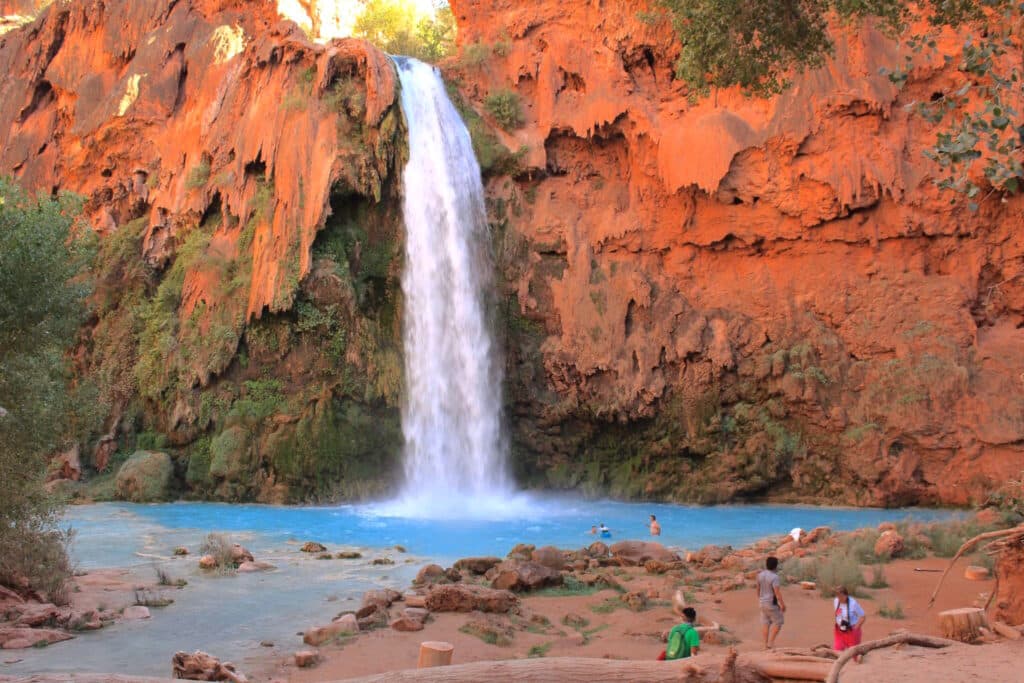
(683, 640)
(655, 527)
(849, 618)
(772, 605)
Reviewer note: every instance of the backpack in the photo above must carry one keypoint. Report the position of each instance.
(677, 647)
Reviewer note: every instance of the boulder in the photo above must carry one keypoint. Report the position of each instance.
(466, 598)
(635, 600)
(522, 551)
(635, 553)
(145, 477)
(34, 615)
(86, 620)
(431, 573)
(659, 566)
(476, 565)
(549, 556)
(136, 612)
(887, 526)
(255, 567)
(239, 554)
(349, 555)
(306, 658)
(521, 576)
(207, 562)
(383, 597)
(343, 626)
(889, 544)
(597, 549)
(414, 600)
(383, 561)
(199, 666)
(181, 550)
(416, 613)
(21, 637)
(453, 575)
(819, 533)
(405, 624)
(711, 555)
(313, 547)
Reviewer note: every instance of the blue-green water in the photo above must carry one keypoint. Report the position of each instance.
(109, 534)
(229, 616)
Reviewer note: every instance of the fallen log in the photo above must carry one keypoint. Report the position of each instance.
(760, 668)
(898, 639)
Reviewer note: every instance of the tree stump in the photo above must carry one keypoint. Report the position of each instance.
(435, 653)
(963, 624)
(974, 573)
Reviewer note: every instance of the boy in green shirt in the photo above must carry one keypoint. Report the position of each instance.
(683, 640)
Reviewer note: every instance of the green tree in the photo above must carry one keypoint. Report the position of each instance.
(42, 296)
(759, 44)
(395, 27)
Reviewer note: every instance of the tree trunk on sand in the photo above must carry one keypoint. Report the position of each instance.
(963, 624)
(435, 653)
(1009, 593)
(898, 639)
(700, 669)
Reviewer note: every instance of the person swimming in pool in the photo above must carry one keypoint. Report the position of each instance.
(605, 531)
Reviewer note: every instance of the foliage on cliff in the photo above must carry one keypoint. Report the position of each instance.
(42, 296)
(759, 44)
(397, 28)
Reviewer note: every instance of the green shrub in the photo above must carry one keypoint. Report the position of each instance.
(219, 547)
(894, 612)
(506, 108)
(199, 176)
(839, 568)
(878, 579)
(42, 304)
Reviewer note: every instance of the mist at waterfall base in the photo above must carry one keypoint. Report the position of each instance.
(455, 464)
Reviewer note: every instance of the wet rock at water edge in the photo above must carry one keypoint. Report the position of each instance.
(313, 547)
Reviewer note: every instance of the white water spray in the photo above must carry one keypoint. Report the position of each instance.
(454, 450)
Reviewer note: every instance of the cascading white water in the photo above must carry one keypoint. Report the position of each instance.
(454, 450)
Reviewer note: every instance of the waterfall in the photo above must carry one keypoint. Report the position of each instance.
(454, 449)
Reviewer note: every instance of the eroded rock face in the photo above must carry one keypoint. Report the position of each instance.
(738, 296)
(214, 145)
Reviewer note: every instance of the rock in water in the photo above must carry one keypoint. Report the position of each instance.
(313, 547)
(199, 666)
(136, 612)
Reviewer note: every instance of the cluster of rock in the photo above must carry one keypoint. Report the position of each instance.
(200, 666)
(30, 622)
(238, 559)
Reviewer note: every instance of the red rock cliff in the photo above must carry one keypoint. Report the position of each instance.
(742, 296)
(214, 146)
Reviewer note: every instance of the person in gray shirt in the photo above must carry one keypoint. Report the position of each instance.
(772, 605)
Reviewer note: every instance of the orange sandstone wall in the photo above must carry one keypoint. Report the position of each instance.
(742, 297)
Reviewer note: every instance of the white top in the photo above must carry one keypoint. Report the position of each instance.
(795, 533)
(851, 612)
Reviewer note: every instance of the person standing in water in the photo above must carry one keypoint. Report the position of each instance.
(655, 527)
(605, 531)
(772, 605)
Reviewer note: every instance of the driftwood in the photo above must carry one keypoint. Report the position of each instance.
(730, 668)
(968, 545)
(898, 639)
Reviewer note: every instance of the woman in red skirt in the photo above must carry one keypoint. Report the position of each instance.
(849, 621)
